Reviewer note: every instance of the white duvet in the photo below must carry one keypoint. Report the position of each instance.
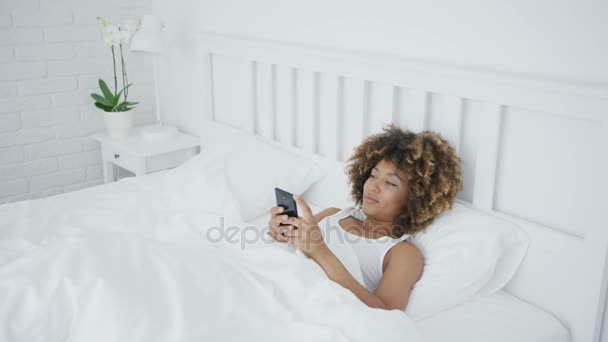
(136, 261)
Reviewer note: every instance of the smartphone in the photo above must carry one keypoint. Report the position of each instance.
(285, 200)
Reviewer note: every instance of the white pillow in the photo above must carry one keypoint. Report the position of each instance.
(467, 253)
(199, 183)
(253, 168)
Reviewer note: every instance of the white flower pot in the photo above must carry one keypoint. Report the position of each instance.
(119, 124)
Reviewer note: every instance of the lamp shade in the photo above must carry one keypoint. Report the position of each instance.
(147, 38)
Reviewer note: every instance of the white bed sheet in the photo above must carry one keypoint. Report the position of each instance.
(94, 226)
(500, 317)
(130, 261)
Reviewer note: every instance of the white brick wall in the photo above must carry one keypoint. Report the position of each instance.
(51, 56)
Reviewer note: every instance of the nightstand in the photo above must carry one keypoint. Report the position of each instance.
(142, 157)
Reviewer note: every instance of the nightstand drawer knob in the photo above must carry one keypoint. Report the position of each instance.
(116, 156)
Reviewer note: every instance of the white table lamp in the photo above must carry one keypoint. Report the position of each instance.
(147, 38)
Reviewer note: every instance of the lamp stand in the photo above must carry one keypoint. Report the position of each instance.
(159, 132)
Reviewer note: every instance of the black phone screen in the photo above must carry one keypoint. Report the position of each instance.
(285, 200)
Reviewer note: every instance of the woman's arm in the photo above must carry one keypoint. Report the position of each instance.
(275, 230)
(337, 272)
(403, 263)
(404, 268)
(324, 213)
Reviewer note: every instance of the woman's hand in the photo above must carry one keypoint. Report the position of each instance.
(275, 230)
(304, 231)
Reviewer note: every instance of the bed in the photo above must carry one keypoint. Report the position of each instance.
(132, 260)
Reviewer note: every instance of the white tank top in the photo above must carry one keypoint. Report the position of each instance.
(370, 252)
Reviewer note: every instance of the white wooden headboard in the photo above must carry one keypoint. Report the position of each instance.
(534, 151)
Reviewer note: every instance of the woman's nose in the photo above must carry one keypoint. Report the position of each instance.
(373, 185)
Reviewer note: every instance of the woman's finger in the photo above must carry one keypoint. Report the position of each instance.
(277, 237)
(284, 229)
(273, 235)
(276, 210)
(277, 220)
(273, 226)
(306, 212)
(296, 222)
(278, 233)
(293, 234)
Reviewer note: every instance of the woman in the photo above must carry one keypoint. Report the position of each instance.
(401, 181)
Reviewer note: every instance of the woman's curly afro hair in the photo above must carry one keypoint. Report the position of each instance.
(433, 168)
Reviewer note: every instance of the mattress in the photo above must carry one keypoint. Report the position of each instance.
(500, 317)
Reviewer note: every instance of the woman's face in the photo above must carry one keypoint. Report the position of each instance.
(385, 192)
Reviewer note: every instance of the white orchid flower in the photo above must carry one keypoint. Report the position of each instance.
(126, 31)
(124, 36)
(129, 25)
(102, 21)
(111, 35)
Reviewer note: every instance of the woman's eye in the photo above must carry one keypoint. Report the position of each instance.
(391, 184)
(372, 176)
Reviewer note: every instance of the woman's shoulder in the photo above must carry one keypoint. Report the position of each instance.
(406, 250)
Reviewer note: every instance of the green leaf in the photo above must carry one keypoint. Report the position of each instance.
(102, 100)
(115, 100)
(124, 106)
(120, 92)
(120, 107)
(102, 107)
(106, 91)
(95, 96)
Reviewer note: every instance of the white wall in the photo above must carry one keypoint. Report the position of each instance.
(51, 55)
